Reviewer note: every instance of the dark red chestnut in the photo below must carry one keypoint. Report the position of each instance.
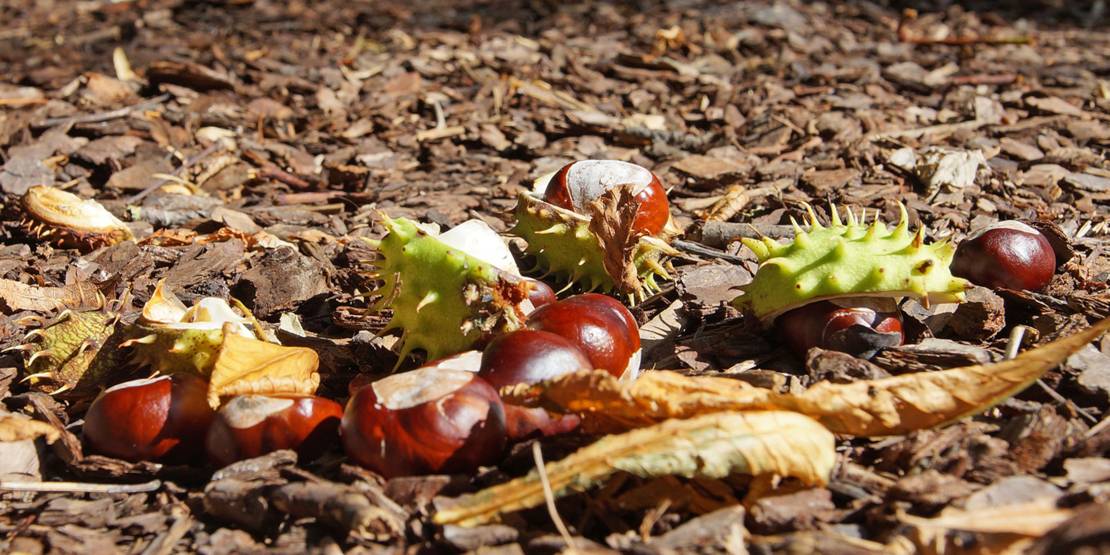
(1006, 254)
(530, 356)
(600, 326)
(162, 418)
(250, 426)
(540, 293)
(429, 420)
(856, 326)
(578, 184)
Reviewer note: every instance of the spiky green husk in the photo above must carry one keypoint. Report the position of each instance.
(444, 300)
(171, 350)
(76, 353)
(849, 260)
(564, 245)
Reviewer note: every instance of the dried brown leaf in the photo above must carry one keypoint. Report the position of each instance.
(885, 406)
(611, 218)
(20, 296)
(17, 428)
(917, 401)
(248, 366)
(763, 443)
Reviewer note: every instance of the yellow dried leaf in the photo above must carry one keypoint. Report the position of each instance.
(763, 443)
(20, 296)
(247, 366)
(607, 404)
(901, 404)
(17, 428)
(887, 406)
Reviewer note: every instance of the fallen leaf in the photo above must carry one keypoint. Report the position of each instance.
(20, 296)
(247, 366)
(762, 443)
(887, 406)
(917, 401)
(17, 428)
(611, 219)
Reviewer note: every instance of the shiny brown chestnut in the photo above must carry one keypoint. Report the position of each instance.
(578, 184)
(525, 357)
(163, 419)
(1007, 254)
(250, 426)
(429, 420)
(540, 293)
(530, 356)
(600, 326)
(859, 327)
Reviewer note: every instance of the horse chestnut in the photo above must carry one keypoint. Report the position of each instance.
(429, 420)
(250, 426)
(162, 418)
(1006, 254)
(578, 184)
(600, 326)
(540, 293)
(530, 356)
(856, 326)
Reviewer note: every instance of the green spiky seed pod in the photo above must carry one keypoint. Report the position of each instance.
(849, 260)
(171, 338)
(564, 245)
(444, 300)
(75, 354)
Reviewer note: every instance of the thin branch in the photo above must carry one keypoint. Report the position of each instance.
(80, 487)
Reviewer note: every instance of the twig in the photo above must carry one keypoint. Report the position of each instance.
(165, 542)
(549, 496)
(700, 249)
(969, 125)
(17, 102)
(907, 36)
(985, 79)
(1013, 345)
(189, 162)
(102, 116)
(80, 487)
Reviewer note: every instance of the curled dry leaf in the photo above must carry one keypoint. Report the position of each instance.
(762, 443)
(18, 428)
(887, 406)
(611, 219)
(245, 366)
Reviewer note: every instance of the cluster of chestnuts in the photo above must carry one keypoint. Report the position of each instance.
(168, 419)
(446, 416)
